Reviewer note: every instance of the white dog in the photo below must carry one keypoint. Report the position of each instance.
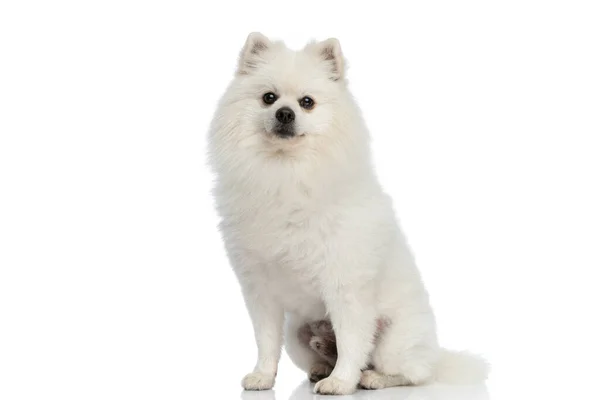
(309, 231)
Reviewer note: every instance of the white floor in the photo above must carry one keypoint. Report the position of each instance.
(303, 391)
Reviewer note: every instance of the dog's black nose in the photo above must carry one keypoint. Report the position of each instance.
(285, 115)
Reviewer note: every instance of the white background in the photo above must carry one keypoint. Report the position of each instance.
(485, 119)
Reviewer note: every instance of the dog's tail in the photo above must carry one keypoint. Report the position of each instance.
(461, 368)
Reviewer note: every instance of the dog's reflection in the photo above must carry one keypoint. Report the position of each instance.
(304, 391)
(258, 395)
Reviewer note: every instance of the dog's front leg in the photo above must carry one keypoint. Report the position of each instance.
(267, 320)
(351, 308)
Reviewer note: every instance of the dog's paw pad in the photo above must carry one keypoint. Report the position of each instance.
(336, 386)
(258, 381)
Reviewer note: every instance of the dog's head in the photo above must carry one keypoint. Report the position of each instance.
(290, 94)
(281, 97)
(287, 111)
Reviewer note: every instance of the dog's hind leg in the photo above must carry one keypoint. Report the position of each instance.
(406, 354)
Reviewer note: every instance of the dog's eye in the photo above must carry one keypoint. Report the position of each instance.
(269, 98)
(307, 103)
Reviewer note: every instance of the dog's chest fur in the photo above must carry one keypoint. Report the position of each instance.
(285, 231)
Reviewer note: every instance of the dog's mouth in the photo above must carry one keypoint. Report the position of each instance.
(285, 131)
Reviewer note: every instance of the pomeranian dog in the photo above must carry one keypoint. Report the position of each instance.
(310, 233)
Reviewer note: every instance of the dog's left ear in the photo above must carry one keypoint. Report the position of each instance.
(330, 52)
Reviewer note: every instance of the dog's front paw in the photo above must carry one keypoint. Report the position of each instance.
(334, 385)
(258, 381)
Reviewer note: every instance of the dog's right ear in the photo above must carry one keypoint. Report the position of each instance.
(329, 53)
(252, 53)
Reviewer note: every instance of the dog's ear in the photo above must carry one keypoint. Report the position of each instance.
(252, 53)
(330, 52)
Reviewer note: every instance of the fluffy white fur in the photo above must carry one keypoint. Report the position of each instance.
(310, 232)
